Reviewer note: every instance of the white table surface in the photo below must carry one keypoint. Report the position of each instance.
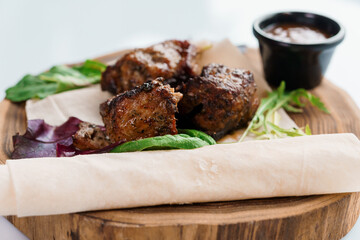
(35, 35)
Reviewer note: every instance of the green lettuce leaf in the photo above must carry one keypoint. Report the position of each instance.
(58, 79)
(198, 134)
(193, 139)
(30, 87)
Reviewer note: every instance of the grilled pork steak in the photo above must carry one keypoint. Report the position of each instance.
(221, 99)
(172, 60)
(145, 111)
(90, 137)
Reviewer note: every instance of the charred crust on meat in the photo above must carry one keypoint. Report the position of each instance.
(145, 111)
(173, 60)
(221, 99)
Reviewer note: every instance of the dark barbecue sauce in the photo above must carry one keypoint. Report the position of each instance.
(296, 33)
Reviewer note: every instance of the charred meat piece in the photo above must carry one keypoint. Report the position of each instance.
(221, 99)
(90, 137)
(172, 60)
(146, 111)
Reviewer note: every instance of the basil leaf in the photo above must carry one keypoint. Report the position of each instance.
(179, 141)
(58, 79)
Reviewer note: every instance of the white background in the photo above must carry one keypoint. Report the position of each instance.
(35, 35)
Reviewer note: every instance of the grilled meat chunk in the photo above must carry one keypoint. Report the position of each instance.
(172, 60)
(221, 99)
(90, 137)
(145, 111)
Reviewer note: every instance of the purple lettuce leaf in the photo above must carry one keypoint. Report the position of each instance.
(40, 131)
(44, 140)
(69, 150)
(28, 148)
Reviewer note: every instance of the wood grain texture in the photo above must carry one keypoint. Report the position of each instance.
(308, 217)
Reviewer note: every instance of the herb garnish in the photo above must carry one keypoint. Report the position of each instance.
(265, 120)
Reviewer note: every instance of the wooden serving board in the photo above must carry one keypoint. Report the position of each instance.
(308, 217)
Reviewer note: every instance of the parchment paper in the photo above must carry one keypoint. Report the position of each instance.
(253, 169)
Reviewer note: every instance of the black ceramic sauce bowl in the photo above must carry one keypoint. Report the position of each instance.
(299, 65)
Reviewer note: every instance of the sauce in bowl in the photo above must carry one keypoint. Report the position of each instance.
(296, 47)
(296, 33)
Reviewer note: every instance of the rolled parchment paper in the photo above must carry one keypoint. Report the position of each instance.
(296, 166)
